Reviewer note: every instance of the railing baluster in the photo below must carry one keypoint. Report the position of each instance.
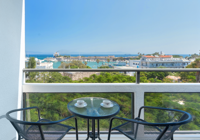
(138, 77)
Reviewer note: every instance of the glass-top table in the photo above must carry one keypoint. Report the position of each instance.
(93, 111)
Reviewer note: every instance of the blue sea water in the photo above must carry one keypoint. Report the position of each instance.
(42, 56)
(93, 65)
(39, 56)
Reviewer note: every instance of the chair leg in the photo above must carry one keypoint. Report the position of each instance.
(19, 137)
(76, 126)
(110, 127)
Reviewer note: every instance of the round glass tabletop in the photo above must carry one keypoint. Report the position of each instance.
(94, 108)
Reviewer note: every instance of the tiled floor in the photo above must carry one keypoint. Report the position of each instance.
(122, 137)
(103, 137)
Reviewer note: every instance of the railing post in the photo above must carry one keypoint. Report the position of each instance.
(132, 106)
(24, 77)
(138, 77)
(132, 111)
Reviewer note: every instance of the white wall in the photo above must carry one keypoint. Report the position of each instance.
(134, 61)
(12, 49)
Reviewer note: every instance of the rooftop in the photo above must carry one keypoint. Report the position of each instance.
(160, 56)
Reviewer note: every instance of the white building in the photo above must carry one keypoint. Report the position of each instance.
(134, 63)
(130, 73)
(164, 61)
(119, 63)
(56, 54)
(45, 65)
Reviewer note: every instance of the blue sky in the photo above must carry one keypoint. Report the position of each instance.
(112, 26)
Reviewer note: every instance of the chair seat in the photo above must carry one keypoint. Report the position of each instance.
(51, 132)
(161, 124)
(125, 128)
(128, 129)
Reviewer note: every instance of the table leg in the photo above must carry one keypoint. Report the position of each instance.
(93, 129)
(93, 134)
(88, 130)
(98, 129)
(76, 128)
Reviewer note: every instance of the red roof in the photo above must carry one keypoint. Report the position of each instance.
(160, 56)
(166, 56)
(148, 56)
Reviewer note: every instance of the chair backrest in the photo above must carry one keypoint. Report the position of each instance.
(26, 129)
(171, 129)
(163, 122)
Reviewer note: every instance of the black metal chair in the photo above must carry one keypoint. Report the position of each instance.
(161, 125)
(42, 129)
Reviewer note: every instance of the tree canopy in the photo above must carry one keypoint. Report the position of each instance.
(31, 62)
(191, 76)
(97, 61)
(108, 60)
(53, 106)
(103, 67)
(74, 65)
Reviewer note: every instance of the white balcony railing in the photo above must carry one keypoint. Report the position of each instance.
(137, 89)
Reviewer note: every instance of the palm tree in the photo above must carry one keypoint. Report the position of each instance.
(108, 60)
(97, 62)
(85, 63)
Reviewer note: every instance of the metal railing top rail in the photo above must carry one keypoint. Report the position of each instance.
(137, 70)
(116, 70)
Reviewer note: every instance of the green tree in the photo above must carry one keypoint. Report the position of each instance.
(121, 58)
(74, 65)
(85, 63)
(67, 56)
(196, 64)
(103, 67)
(177, 56)
(156, 53)
(31, 62)
(153, 77)
(97, 62)
(139, 56)
(191, 76)
(108, 60)
(194, 55)
(157, 75)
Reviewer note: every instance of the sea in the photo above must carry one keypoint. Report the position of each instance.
(93, 65)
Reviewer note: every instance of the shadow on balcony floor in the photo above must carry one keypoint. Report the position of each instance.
(122, 137)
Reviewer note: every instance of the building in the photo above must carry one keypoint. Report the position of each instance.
(45, 65)
(134, 63)
(120, 63)
(130, 73)
(56, 54)
(163, 61)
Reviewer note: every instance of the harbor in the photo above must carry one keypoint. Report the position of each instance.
(54, 61)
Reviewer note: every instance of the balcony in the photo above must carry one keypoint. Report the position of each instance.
(15, 91)
(140, 94)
